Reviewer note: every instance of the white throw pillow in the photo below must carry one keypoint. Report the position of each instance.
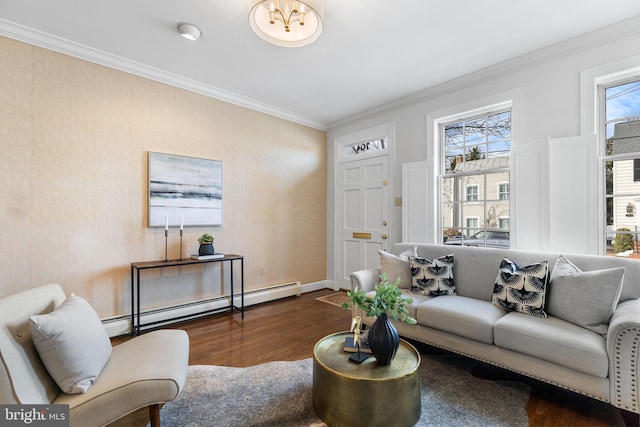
(585, 298)
(397, 266)
(72, 344)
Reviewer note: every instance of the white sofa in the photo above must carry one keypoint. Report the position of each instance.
(602, 366)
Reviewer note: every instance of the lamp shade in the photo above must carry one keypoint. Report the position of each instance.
(269, 19)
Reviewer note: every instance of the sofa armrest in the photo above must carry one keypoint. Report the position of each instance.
(365, 280)
(623, 348)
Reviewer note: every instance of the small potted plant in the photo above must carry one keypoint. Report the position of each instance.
(388, 302)
(206, 244)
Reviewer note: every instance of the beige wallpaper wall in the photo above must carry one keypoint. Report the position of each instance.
(74, 139)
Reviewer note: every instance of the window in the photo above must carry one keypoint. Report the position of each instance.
(503, 191)
(503, 223)
(620, 124)
(367, 147)
(472, 193)
(472, 223)
(474, 174)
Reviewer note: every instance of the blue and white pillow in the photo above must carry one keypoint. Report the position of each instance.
(432, 277)
(521, 289)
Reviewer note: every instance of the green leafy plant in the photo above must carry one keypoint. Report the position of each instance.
(388, 300)
(206, 238)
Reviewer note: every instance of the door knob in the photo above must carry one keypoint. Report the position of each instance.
(384, 237)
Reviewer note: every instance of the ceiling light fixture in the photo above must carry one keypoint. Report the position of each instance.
(189, 31)
(288, 23)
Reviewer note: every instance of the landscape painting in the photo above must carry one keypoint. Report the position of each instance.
(184, 191)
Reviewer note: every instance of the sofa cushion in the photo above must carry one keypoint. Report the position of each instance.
(397, 266)
(432, 277)
(554, 340)
(587, 299)
(72, 344)
(466, 317)
(521, 289)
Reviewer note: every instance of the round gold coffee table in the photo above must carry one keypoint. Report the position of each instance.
(350, 394)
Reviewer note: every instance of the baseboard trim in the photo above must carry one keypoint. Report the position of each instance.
(121, 325)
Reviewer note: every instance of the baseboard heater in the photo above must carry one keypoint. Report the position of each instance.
(193, 310)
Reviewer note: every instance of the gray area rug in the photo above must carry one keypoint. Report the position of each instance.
(279, 394)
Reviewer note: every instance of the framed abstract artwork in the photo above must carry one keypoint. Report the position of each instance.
(184, 191)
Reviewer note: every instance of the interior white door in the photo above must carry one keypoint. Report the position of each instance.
(364, 215)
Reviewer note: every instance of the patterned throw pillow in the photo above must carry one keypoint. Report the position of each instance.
(521, 289)
(432, 277)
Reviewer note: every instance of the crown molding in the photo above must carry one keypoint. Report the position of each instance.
(60, 45)
(555, 51)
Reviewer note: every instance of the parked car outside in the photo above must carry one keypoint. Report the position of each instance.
(489, 239)
(453, 240)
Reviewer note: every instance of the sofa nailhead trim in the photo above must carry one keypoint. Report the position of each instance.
(626, 394)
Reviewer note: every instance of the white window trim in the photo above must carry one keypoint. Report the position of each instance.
(590, 80)
(512, 99)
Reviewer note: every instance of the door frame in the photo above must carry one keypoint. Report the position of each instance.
(386, 130)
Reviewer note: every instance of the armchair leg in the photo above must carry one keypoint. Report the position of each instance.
(154, 415)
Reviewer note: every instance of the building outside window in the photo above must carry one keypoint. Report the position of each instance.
(636, 170)
(472, 223)
(503, 223)
(474, 176)
(620, 125)
(503, 191)
(472, 193)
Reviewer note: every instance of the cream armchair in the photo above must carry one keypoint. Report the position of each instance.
(145, 371)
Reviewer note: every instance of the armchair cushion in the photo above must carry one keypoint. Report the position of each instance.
(150, 368)
(72, 344)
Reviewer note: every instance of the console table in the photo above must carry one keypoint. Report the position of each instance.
(136, 267)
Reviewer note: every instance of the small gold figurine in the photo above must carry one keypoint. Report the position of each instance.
(356, 324)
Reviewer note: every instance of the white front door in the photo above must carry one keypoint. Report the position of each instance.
(363, 215)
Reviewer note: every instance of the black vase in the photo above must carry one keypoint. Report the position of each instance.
(205, 249)
(383, 340)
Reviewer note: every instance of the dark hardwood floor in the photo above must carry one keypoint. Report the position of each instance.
(287, 329)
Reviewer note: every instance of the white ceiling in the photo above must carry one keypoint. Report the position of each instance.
(371, 51)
